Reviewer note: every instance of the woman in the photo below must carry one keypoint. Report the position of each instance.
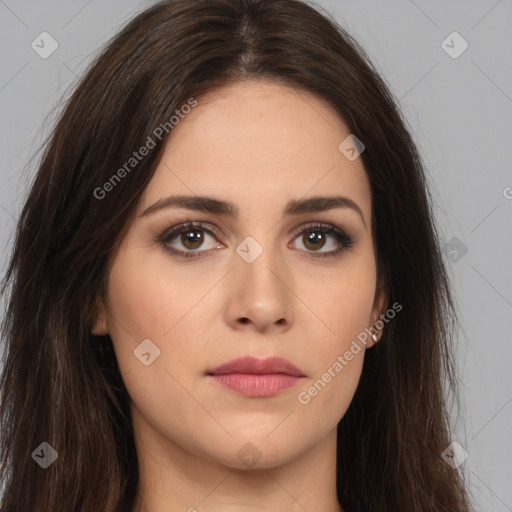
(226, 290)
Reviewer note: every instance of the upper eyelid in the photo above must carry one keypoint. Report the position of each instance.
(205, 226)
(171, 233)
(182, 226)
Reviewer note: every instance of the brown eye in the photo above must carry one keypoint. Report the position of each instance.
(313, 240)
(192, 239)
(316, 237)
(188, 240)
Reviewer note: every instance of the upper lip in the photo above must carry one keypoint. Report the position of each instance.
(270, 365)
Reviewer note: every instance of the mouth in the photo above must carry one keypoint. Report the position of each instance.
(255, 378)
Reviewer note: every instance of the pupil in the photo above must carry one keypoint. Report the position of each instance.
(191, 237)
(313, 236)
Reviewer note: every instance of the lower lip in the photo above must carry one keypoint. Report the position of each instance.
(252, 385)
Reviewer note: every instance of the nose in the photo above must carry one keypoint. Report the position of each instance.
(261, 295)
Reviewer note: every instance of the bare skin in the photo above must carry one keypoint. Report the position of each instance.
(257, 145)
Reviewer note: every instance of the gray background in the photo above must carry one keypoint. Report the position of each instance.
(460, 113)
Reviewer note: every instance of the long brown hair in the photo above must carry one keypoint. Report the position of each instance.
(61, 385)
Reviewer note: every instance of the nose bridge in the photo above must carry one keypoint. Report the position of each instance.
(258, 263)
(261, 281)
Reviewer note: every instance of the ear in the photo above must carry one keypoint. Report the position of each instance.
(99, 320)
(380, 305)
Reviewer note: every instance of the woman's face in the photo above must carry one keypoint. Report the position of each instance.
(257, 281)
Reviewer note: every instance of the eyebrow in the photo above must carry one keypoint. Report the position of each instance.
(220, 207)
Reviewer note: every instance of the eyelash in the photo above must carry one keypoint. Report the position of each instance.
(164, 238)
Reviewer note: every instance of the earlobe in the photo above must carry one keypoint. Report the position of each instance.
(99, 322)
(379, 309)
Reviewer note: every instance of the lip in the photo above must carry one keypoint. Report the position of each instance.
(254, 377)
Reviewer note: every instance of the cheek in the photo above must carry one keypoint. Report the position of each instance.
(143, 306)
(340, 303)
(153, 300)
(147, 297)
(341, 309)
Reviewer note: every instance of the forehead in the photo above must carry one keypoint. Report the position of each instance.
(258, 141)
